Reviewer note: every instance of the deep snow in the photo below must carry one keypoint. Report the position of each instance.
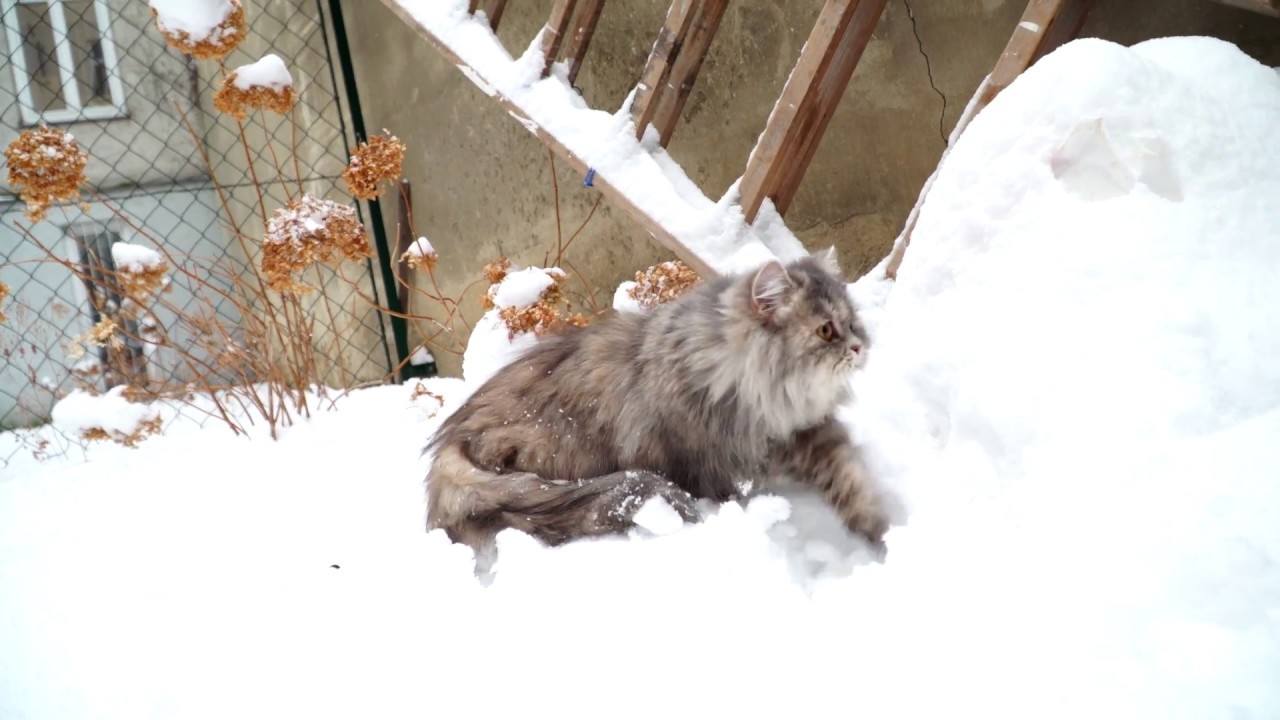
(1071, 388)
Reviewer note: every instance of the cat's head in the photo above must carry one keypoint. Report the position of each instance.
(805, 303)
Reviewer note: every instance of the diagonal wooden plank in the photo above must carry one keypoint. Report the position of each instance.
(1028, 42)
(583, 30)
(685, 69)
(493, 9)
(670, 37)
(472, 6)
(557, 27)
(600, 182)
(772, 152)
(831, 88)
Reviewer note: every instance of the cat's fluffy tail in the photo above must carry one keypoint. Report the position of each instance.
(472, 504)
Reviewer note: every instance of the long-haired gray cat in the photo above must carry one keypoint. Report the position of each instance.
(736, 380)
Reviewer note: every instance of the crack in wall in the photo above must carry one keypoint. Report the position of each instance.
(929, 69)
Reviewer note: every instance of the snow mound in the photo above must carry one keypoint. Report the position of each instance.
(492, 344)
(1073, 389)
(196, 18)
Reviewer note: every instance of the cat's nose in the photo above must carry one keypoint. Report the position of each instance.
(855, 346)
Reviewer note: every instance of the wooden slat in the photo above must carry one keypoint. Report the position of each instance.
(493, 9)
(1024, 44)
(472, 6)
(601, 182)
(830, 90)
(774, 149)
(583, 29)
(557, 28)
(685, 69)
(1266, 7)
(1064, 27)
(1033, 37)
(670, 37)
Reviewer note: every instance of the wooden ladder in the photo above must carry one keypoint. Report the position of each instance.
(783, 151)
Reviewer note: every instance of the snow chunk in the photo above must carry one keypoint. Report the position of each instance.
(197, 18)
(80, 411)
(420, 248)
(522, 288)
(658, 517)
(622, 300)
(269, 72)
(135, 258)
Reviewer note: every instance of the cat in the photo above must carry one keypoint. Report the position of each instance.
(736, 380)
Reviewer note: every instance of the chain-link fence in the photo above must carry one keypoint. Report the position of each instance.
(168, 170)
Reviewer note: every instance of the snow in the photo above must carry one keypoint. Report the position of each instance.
(491, 344)
(1071, 392)
(269, 72)
(522, 288)
(197, 18)
(421, 356)
(622, 300)
(80, 411)
(421, 248)
(135, 258)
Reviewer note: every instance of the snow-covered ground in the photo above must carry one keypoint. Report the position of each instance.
(1073, 389)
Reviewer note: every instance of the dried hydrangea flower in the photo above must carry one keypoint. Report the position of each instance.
(140, 271)
(379, 160)
(204, 29)
(308, 231)
(262, 84)
(46, 166)
(662, 283)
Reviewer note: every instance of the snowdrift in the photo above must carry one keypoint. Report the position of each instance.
(1072, 389)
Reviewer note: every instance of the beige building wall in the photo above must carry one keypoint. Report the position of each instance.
(482, 185)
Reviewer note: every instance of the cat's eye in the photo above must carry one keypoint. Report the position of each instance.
(827, 331)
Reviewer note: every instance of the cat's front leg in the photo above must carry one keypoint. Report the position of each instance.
(825, 457)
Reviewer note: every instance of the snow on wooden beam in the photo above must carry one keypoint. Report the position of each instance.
(630, 202)
(813, 89)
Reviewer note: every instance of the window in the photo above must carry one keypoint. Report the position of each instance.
(64, 63)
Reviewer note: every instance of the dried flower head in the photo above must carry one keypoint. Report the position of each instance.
(203, 29)
(308, 231)
(262, 84)
(662, 283)
(140, 271)
(543, 315)
(102, 334)
(374, 162)
(144, 428)
(45, 166)
(494, 272)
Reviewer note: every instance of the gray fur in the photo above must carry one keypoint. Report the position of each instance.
(730, 382)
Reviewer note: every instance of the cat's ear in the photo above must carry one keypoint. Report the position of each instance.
(770, 287)
(827, 260)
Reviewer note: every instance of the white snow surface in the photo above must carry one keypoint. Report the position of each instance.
(268, 72)
(196, 18)
(1071, 390)
(135, 258)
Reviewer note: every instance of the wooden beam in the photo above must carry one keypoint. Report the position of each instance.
(472, 6)
(665, 48)
(797, 110)
(600, 182)
(583, 30)
(685, 69)
(557, 28)
(1266, 7)
(1031, 39)
(830, 90)
(494, 9)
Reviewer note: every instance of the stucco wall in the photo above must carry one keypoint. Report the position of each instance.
(482, 184)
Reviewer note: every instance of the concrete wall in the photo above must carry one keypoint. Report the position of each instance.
(483, 185)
